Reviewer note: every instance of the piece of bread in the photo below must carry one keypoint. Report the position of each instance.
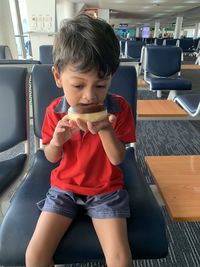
(86, 112)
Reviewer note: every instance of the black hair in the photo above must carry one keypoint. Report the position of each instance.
(86, 43)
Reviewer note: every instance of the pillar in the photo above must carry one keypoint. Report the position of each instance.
(178, 27)
(156, 29)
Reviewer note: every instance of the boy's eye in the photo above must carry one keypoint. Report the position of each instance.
(101, 86)
(77, 86)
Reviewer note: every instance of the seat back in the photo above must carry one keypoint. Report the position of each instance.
(172, 42)
(124, 83)
(44, 91)
(187, 44)
(133, 49)
(45, 54)
(5, 52)
(12, 106)
(122, 46)
(162, 61)
(159, 41)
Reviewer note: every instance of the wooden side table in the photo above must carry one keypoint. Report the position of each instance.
(178, 180)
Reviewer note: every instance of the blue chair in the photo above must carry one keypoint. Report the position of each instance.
(172, 42)
(146, 227)
(124, 83)
(5, 52)
(162, 65)
(190, 103)
(159, 41)
(45, 54)
(122, 47)
(133, 49)
(187, 46)
(12, 122)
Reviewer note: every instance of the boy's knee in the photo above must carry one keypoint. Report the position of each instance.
(119, 260)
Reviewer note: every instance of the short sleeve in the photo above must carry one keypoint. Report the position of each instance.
(125, 125)
(50, 121)
(48, 127)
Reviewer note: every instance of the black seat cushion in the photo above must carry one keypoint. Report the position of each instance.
(146, 227)
(10, 169)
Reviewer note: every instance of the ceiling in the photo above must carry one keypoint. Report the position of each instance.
(145, 12)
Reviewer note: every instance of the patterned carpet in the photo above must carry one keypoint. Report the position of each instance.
(171, 138)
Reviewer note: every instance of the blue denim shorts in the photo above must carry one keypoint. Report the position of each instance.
(111, 205)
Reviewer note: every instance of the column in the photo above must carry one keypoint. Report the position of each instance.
(178, 27)
(137, 32)
(64, 10)
(7, 32)
(196, 30)
(156, 29)
(104, 13)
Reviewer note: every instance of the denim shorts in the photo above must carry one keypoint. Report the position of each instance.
(110, 205)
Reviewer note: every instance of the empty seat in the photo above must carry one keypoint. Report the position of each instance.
(190, 103)
(12, 122)
(5, 52)
(162, 65)
(133, 49)
(45, 54)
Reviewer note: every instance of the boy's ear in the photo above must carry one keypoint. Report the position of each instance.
(57, 77)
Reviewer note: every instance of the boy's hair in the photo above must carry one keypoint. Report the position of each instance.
(87, 44)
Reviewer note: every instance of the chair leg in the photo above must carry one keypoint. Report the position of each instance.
(172, 95)
(159, 94)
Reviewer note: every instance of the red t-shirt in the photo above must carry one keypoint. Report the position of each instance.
(85, 168)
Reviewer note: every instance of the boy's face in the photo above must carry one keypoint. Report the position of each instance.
(79, 87)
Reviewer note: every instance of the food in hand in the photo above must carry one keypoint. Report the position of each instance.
(90, 112)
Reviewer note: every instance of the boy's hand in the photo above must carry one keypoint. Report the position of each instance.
(95, 127)
(63, 131)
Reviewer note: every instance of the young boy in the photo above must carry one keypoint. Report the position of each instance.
(86, 55)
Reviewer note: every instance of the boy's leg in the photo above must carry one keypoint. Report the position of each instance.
(112, 234)
(49, 230)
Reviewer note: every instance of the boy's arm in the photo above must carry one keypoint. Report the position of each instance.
(52, 152)
(113, 147)
(63, 132)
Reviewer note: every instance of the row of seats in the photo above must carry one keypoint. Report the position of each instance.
(132, 48)
(146, 227)
(158, 75)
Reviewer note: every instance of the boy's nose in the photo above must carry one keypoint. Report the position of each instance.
(90, 96)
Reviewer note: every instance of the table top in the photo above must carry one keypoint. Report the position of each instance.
(159, 108)
(190, 67)
(178, 180)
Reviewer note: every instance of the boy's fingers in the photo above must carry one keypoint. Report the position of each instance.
(112, 118)
(65, 118)
(91, 127)
(81, 124)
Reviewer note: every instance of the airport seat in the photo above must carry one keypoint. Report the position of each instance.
(159, 41)
(18, 62)
(5, 52)
(171, 42)
(162, 65)
(133, 49)
(190, 103)
(124, 83)
(146, 227)
(122, 47)
(187, 45)
(12, 122)
(45, 54)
